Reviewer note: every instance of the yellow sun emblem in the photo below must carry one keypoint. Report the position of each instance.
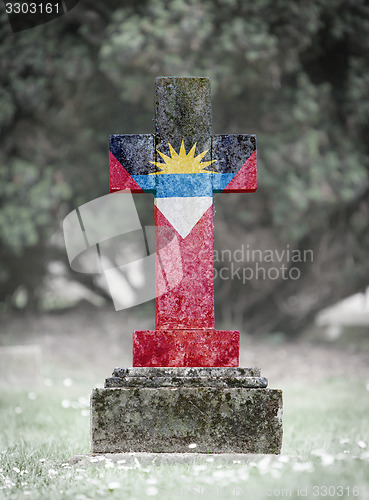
(182, 162)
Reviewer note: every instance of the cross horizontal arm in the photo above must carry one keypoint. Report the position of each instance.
(235, 159)
(129, 159)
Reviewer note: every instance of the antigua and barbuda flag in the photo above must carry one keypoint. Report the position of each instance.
(183, 188)
(183, 183)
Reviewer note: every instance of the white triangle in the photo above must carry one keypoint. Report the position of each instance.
(184, 213)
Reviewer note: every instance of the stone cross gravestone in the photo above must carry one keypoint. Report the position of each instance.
(185, 386)
(183, 164)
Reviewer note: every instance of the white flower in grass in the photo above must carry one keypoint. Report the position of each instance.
(275, 473)
(152, 491)
(42, 460)
(199, 467)
(264, 464)
(327, 460)
(192, 446)
(243, 474)
(94, 459)
(84, 402)
(32, 396)
(124, 467)
(18, 410)
(52, 472)
(122, 461)
(65, 403)
(67, 382)
(277, 465)
(220, 474)
(361, 444)
(303, 467)
(8, 482)
(114, 485)
(318, 453)
(109, 465)
(15, 469)
(341, 456)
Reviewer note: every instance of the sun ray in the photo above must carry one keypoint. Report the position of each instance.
(201, 155)
(182, 162)
(191, 153)
(173, 152)
(164, 156)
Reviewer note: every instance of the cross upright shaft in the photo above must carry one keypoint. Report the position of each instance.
(183, 183)
(183, 113)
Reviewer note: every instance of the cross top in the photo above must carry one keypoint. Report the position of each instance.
(183, 164)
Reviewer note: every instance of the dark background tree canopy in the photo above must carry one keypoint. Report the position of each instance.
(294, 73)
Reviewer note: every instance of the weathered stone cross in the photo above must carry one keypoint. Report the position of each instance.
(183, 164)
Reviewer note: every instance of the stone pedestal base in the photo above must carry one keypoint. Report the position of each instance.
(177, 348)
(170, 410)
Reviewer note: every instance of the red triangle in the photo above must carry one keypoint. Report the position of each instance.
(120, 178)
(245, 179)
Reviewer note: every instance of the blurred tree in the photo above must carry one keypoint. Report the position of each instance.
(296, 74)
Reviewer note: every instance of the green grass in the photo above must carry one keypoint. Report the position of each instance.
(325, 430)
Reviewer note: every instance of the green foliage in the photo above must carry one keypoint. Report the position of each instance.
(296, 74)
(259, 54)
(31, 198)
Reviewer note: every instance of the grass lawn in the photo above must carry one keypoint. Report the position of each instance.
(325, 451)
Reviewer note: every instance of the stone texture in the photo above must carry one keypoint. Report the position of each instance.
(186, 348)
(189, 377)
(168, 420)
(190, 305)
(183, 112)
(186, 372)
(129, 162)
(235, 164)
(250, 382)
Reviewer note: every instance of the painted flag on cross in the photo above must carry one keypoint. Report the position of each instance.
(183, 182)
